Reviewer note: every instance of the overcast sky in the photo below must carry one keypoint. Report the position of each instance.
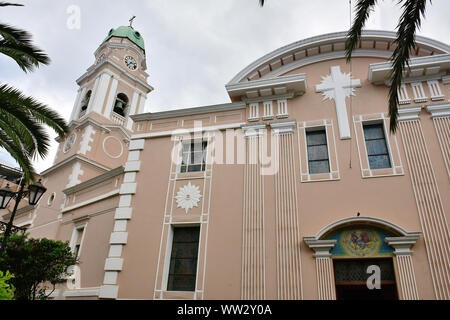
(193, 47)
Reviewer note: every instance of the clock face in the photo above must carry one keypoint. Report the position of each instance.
(131, 63)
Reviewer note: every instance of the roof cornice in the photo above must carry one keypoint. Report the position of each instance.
(259, 88)
(417, 67)
(71, 159)
(326, 39)
(188, 111)
(94, 181)
(105, 127)
(119, 68)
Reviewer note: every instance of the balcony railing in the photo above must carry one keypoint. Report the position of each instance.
(82, 113)
(117, 118)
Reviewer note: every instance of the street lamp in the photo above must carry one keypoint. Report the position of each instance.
(34, 192)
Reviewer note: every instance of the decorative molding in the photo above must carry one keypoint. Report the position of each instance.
(75, 157)
(402, 245)
(266, 87)
(186, 131)
(90, 201)
(439, 110)
(94, 181)
(289, 270)
(336, 37)
(430, 208)
(253, 268)
(409, 113)
(188, 196)
(362, 221)
(122, 71)
(282, 127)
(189, 111)
(251, 130)
(321, 248)
(380, 72)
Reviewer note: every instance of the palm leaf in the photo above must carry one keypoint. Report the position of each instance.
(17, 44)
(363, 9)
(27, 117)
(19, 154)
(6, 4)
(410, 20)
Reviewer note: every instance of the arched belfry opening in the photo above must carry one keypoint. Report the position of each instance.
(85, 103)
(121, 105)
(364, 258)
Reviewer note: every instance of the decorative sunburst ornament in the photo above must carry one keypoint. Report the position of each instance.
(340, 80)
(188, 197)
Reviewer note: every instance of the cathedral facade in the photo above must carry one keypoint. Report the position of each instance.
(296, 189)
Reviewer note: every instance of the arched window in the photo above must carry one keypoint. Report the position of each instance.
(121, 104)
(85, 103)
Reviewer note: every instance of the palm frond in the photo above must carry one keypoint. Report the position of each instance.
(410, 20)
(27, 117)
(363, 9)
(17, 44)
(6, 4)
(19, 154)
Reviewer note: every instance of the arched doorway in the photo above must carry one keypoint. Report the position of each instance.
(363, 263)
(364, 259)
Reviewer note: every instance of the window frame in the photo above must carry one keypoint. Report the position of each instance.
(386, 142)
(395, 155)
(191, 142)
(333, 161)
(314, 130)
(74, 238)
(168, 260)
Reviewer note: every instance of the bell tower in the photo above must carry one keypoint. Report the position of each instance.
(115, 86)
(112, 89)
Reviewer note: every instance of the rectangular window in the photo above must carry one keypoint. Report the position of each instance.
(377, 150)
(183, 259)
(78, 238)
(318, 161)
(193, 156)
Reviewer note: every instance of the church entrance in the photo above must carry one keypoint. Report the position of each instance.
(351, 277)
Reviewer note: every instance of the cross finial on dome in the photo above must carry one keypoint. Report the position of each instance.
(131, 21)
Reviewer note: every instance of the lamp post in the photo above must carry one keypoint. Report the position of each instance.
(34, 192)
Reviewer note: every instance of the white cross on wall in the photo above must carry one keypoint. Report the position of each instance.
(339, 86)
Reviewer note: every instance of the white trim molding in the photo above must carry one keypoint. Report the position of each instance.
(409, 113)
(119, 234)
(438, 110)
(319, 48)
(404, 263)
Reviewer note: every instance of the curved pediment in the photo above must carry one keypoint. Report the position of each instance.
(329, 46)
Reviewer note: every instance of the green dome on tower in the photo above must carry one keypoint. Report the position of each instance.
(127, 32)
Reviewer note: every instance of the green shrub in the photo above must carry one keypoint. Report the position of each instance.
(6, 289)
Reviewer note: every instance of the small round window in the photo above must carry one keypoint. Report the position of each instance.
(137, 34)
(51, 199)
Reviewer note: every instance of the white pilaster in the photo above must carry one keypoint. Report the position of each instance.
(111, 97)
(76, 106)
(100, 93)
(405, 268)
(324, 267)
(132, 110)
